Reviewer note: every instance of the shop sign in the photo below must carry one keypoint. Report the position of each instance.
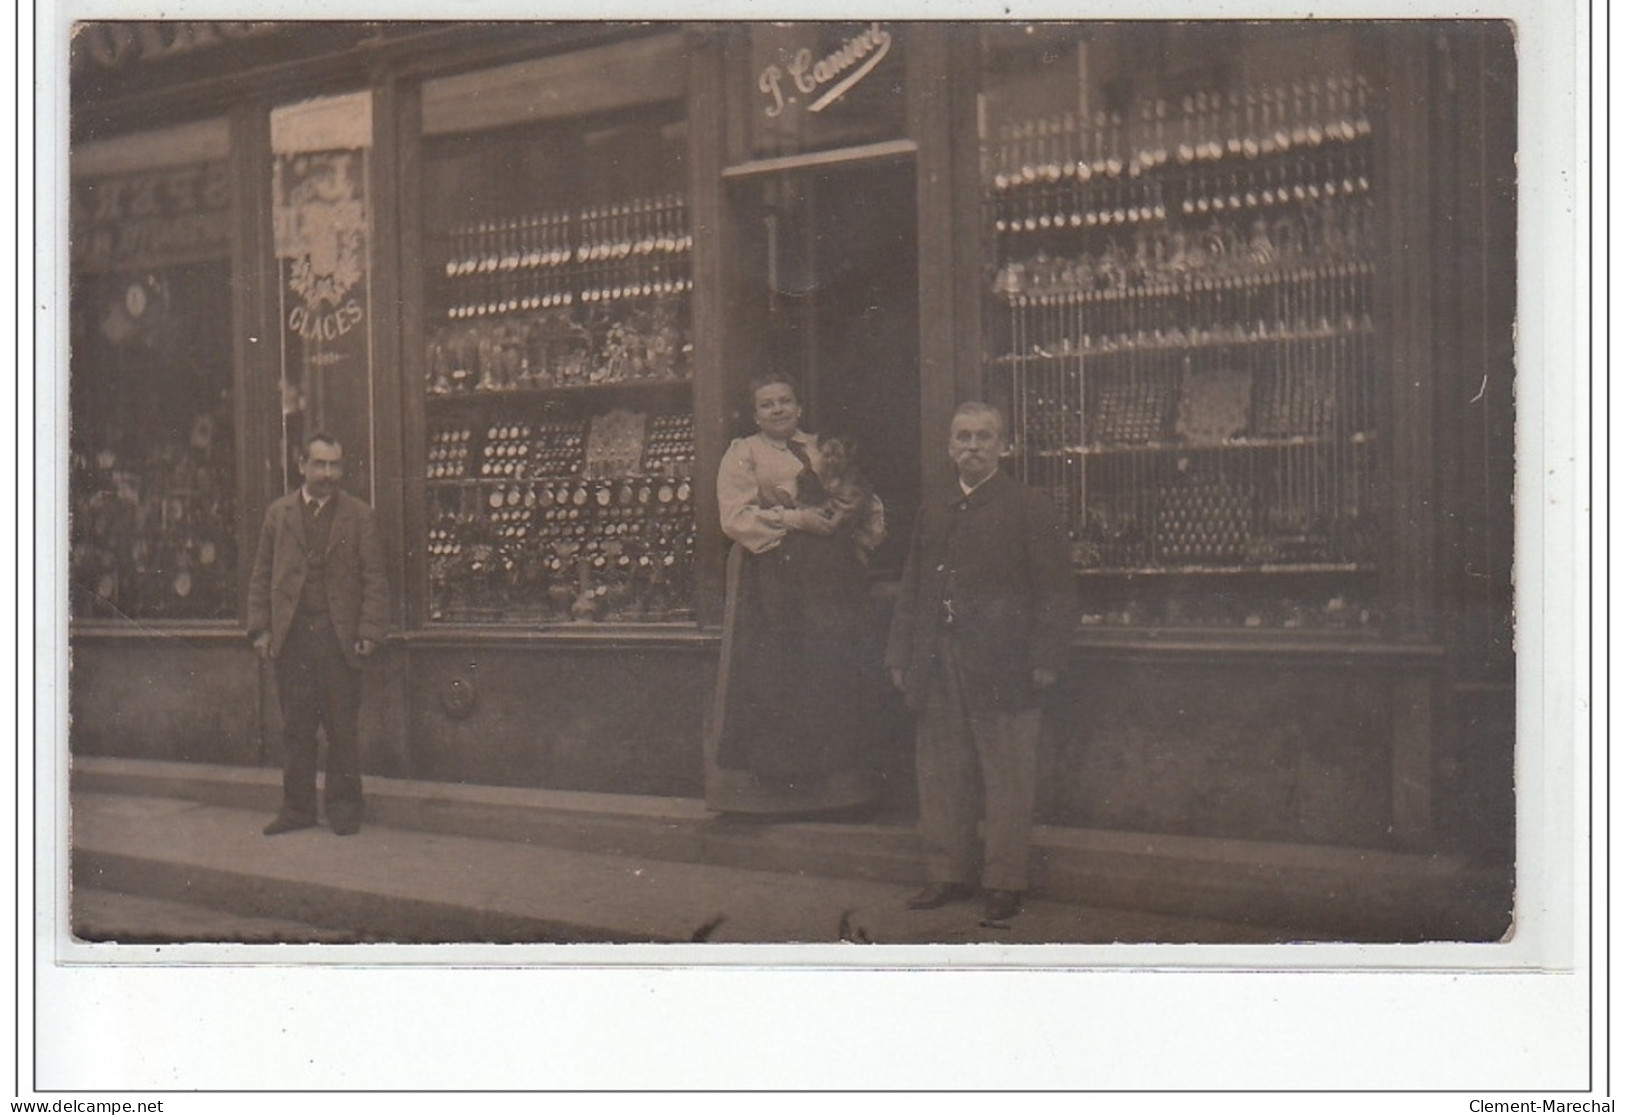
(115, 44)
(150, 218)
(110, 60)
(823, 81)
(820, 85)
(320, 222)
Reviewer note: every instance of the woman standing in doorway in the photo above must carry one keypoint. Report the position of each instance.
(794, 706)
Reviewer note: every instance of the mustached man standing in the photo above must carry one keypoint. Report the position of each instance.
(981, 629)
(318, 605)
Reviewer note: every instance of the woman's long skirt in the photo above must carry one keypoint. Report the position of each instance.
(794, 716)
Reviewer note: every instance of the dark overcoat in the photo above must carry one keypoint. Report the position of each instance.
(357, 592)
(999, 556)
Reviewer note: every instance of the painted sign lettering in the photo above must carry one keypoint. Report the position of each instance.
(150, 218)
(827, 79)
(318, 325)
(113, 44)
(319, 223)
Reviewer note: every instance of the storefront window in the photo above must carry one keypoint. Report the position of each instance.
(1181, 298)
(153, 468)
(559, 463)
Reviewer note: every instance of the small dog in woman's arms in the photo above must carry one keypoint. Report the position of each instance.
(836, 487)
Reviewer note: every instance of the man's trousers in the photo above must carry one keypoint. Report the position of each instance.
(965, 759)
(317, 686)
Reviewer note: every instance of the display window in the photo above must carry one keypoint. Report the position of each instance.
(153, 476)
(1182, 264)
(558, 371)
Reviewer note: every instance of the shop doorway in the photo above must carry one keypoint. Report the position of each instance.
(824, 287)
(836, 305)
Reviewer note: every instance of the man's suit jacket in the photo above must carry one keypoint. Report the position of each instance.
(999, 555)
(357, 593)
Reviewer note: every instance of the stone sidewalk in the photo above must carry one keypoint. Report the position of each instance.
(205, 873)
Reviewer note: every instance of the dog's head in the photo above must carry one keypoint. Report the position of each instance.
(839, 455)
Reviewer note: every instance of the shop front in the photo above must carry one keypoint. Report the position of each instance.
(1243, 291)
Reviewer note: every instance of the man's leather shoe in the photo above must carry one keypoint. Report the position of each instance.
(345, 822)
(940, 894)
(1002, 905)
(288, 822)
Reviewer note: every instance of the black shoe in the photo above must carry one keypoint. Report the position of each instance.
(940, 894)
(288, 822)
(1002, 905)
(345, 821)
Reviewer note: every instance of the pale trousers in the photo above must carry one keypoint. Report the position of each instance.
(974, 766)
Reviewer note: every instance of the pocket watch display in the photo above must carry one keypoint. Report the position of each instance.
(560, 539)
(557, 386)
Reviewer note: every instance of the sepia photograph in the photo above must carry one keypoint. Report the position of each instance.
(653, 371)
(945, 483)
